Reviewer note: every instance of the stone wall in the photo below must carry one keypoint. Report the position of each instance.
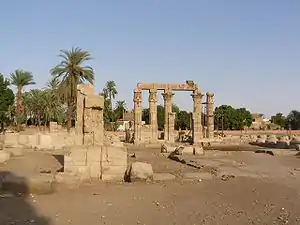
(97, 162)
(40, 140)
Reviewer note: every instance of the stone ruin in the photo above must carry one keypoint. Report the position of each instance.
(200, 134)
(87, 154)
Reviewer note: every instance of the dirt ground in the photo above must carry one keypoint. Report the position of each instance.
(264, 189)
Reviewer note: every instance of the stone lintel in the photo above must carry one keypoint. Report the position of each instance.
(187, 86)
(95, 101)
(86, 89)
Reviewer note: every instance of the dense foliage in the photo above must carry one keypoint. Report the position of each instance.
(229, 118)
(6, 101)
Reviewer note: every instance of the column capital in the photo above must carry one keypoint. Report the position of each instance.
(137, 96)
(168, 96)
(197, 96)
(210, 97)
(210, 94)
(153, 95)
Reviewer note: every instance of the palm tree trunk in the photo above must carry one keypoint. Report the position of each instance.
(111, 108)
(19, 101)
(69, 114)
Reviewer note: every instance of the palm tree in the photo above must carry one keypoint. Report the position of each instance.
(120, 109)
(70, 72)
(111, 91)
(20, 79)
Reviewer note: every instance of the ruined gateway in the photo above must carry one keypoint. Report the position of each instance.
(199, 133)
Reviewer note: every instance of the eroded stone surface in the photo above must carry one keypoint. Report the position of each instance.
(139, 171)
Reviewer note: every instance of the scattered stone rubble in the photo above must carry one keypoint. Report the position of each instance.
(271, 141)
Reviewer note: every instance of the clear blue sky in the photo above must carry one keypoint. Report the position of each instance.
(247, 52)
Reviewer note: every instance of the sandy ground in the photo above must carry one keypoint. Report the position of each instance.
(265, 190)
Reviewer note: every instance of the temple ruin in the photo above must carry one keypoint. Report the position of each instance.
(198, 131)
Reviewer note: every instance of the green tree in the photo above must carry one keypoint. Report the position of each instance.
(223, 116)
(228, 118)
(119, 110)
(278, 119)
(293, 120)
(70, 72)
(111, 92)
(20, 79)
(183, 120)
(6, 100)
(242, 118)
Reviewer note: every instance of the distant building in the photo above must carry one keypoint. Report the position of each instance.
(261, 123)
(128, 117)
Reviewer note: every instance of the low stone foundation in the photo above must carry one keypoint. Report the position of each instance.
(97, 162)
(40, 140)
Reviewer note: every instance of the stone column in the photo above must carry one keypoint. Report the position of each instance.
(210, 114)
(197, 117)
(153, 114)
(168, 109)
(83, 90)
(171, 125)
(137, 115)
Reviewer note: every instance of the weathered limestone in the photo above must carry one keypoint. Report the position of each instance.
(139, 171)
(98, 162)
(153, 114)
(137, 115)
(169, 117)
(89, 123)
(149, 133)
(210, 114)
(197, 114)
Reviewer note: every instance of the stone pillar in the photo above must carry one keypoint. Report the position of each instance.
(197, 117)
(168, 109)
(210, 114)
(137, 99)
(171, 125)
(153, 114)
(82, 91)
(89, 126)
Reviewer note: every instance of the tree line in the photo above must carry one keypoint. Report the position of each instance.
(57, 100)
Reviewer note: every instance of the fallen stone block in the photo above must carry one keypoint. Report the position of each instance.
(36, 184)
(4, 156)
(139, 171)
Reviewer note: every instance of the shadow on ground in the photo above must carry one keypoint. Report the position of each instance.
(16, 203)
